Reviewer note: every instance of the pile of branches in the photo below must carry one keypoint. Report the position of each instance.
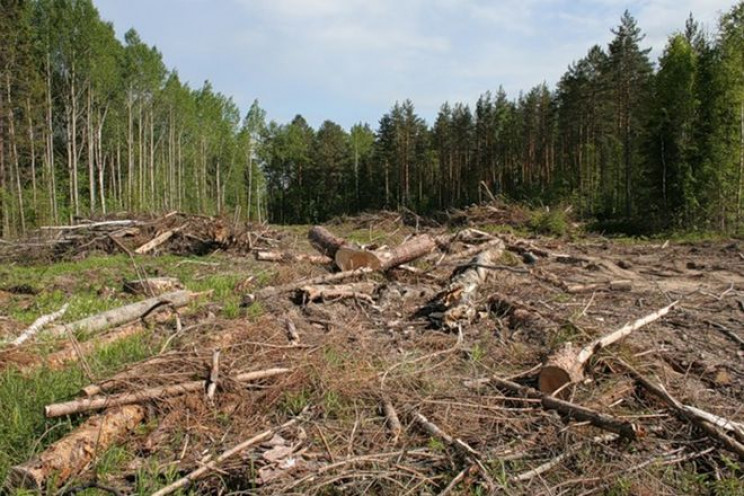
(174, 233)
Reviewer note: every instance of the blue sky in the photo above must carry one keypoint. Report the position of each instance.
(350, 60)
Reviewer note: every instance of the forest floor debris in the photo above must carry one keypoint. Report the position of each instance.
(377, 391)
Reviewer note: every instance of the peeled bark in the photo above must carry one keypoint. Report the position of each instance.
(567, 364)
(619, 285)
(72, 454)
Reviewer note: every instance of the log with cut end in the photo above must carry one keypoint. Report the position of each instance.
(350, 258)
(122, 315)
(98, 403)
(324, 241)
(72, 454)
(567, 364)
(458, 300)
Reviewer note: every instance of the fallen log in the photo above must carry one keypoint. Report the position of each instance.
(324, 292)
(457, 302)
(38, 325)
(571, 410)
(98, 403)
(70, 455)
(495, 243)
(567, 365)
(325, 242)
(350, 258)
(122, 315)
(157, 241)
(267, 292)
(286, 257)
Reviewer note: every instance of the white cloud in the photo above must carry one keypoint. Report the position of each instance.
(351, 59)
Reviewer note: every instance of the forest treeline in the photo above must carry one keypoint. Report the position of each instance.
(90, 125)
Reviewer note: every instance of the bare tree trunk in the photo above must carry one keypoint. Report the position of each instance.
(32, 145)
(3, 179)
(73, 149)
(16, 170)
(152, 203)
(49, 140)
(91, 153)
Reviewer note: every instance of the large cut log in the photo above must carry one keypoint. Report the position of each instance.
(567, 365)
(72, 454)
(350, 258)
(122, 315)
(89, 404)
(325, 242)
(457, 302)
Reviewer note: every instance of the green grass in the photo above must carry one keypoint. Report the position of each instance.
(91, 286)
(23, 429)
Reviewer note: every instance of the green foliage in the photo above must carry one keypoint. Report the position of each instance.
(552, 222)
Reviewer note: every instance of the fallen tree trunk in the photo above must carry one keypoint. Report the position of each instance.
(325, 242)
(350, 258)
(88, 404)
(157, 241)
(457, 302)
(571, 410)
(322, 292)
(70, 455)
(267, 292)
(567, 365)
(286, 257)
(122, 315)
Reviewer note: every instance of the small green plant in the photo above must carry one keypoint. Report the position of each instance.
(436, 444)
(549, 222)
(477, 352)
(294, 402)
